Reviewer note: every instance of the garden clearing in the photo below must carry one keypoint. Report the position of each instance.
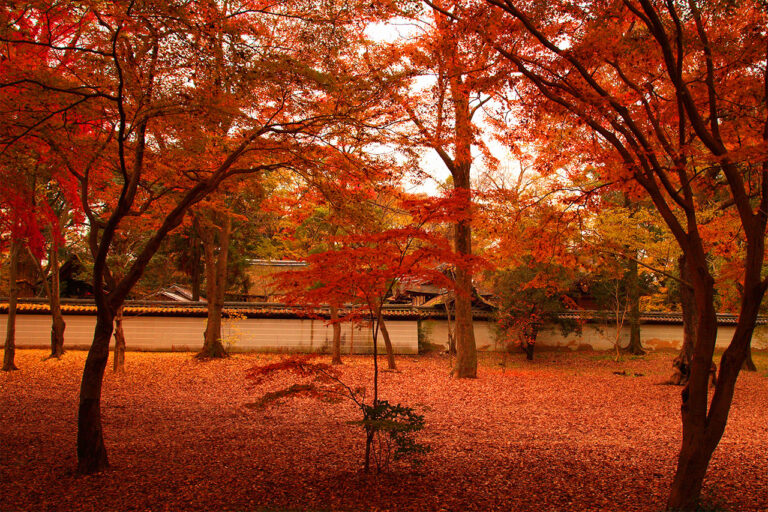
(569, 431)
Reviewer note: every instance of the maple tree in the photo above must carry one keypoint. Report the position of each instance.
(438, 82)
(127, 130)
(675, 93)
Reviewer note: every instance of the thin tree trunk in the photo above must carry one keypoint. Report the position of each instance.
(54, 294)
(91, 452)
(451, 336)
(633, 288)
(118, 358)
(9, 352)
(388, 345)
(336, 357)
(216, 283)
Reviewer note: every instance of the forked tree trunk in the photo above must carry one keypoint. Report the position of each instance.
(54, 294)
(216, 283)
(336, 356)
(633, 288)
(703, 426)
(91, 453)
(9, 353)
(118, 357)
(388, 345)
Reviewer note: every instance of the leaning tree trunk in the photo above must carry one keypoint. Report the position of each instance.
(388, 345)
(118, 358)
(216, 283)
(91, 452)
(9, 353)
(57, 319)
(336, 356)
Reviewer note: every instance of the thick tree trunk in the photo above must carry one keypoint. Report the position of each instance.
(9, 353)
(466, 350)
(633, 287)
(388, 345)
(749, 364)
(703, 426)
(682, 363)
(57, 319)
(118, 358)
(216, 283)
(336, 356)
(91, 452)
(528, 349)
(196, 256)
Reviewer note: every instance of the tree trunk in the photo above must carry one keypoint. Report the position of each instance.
(451, 336)
(682, 363)
(697, 447)
(216, 283)
(633, 284)
(9, 352)
(91, 452)
(388, 345)
(57, 319)
(196, 256)
(528, 349)
(466, 350)
(336, 357)
(749, 364)
(118, 359)
(703, 426)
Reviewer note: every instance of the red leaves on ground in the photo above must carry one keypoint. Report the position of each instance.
(561, 433)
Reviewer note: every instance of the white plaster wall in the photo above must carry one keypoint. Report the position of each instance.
(307, 335)
(240, 335)
(596, 337)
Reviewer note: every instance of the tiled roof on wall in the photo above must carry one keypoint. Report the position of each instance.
(274, 310)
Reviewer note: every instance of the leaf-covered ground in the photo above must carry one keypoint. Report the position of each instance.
(562, 433)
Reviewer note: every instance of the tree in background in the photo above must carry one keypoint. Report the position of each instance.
(438, 81)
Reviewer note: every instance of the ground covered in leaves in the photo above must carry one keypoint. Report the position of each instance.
(566, 432)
